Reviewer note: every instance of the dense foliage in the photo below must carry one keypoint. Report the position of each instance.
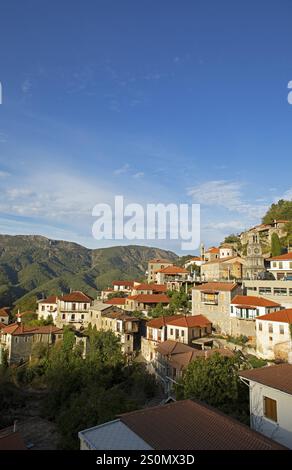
(86, 392)
(276, 247)
(215, 381)
(282, 210)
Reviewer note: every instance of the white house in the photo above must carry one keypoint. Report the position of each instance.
(273, 337)
(195, 261)
(251, 307)
(281, 266)
(73, 309)
(47, 307)
(226, 250)
(270, 394)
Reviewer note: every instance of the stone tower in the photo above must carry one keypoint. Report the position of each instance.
(254, 260)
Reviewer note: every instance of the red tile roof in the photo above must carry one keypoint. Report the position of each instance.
(52, 299)
(179, 355)
(76, 296)
(248, 300)
(150, 298)
(282, 316)
(191, 425)
(4, 312)
(213, 249)
(116, 301)
(161, 321)
(123, 283)
(11, 441)
(279, 377)
(216, 286)
(153, 287)
(285, 257)
(17, 329)
(173, 270)
(190, 321)
(2, 325)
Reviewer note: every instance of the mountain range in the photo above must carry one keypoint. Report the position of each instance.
(32, 266)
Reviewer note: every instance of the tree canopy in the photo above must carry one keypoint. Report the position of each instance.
(282, 210)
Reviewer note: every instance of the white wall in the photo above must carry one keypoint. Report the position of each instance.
(266, 340)
(280, 431)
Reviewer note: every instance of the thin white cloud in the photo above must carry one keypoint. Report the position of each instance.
(226, 194)
(26, 85)
(123, 169)
(4, 174)
(138, 175)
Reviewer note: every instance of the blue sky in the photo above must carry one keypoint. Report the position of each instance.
(159, 101)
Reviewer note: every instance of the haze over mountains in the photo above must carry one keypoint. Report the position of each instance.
(32, 265)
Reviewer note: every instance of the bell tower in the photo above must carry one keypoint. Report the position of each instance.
(254, 259)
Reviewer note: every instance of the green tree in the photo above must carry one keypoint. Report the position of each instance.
(215, 381)
(282, 210)
(276, 247)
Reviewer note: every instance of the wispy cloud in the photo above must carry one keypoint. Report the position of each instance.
(26, 85)
(4, 174)
(123, 169)
(226, 194)
(138, 175)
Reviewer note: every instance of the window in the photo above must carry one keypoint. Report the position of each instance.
(290, 265)
(280, 291)
(281, 265)
(231, 309)
(260, 326)
(73, 306)
(171, 331)
(43, 308)
(82, 316)
(274, 264)
(128, 337)
(281, 329)
(176, 333)
(265, 290)
(73, 316)
(84, 306)
(63, 316)
(270, 328)
(270, 409)
(182, 332)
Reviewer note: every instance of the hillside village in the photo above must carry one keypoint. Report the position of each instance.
(230, 305)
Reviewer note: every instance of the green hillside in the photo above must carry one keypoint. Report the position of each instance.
(32, 266)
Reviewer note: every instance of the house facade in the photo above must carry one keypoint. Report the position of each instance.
(73, 309)
(187, 328)
(213, 300)
(270, 393)
(273, 335)
(155, 265)
(156, 332)
(47, 307)
(172, 276)
(123, 325)
(281, 266)
(144, 302)
(221, 269)
(18, 340)
(278, 291)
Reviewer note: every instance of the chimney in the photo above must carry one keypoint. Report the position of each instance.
(18, 318)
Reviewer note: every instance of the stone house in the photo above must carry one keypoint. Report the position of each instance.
(213, 300)
(18, 340)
